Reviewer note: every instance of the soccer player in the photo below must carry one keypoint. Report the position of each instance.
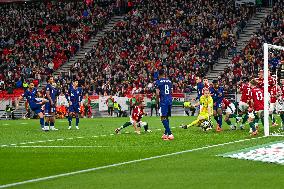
(50, 96)
(280, 107)
(257, 100)
(200, 86)
(206, 109)
(135, 119)
(36, 105)
(244, 102)
(230, 112)
(164, 95)
(74, 98)
(217, 94)
(273, 99)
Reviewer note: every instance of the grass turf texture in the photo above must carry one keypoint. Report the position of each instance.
(198, 169)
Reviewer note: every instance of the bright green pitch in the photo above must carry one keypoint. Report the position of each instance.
(31, 154)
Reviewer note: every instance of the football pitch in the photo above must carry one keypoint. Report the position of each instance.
(95, 157)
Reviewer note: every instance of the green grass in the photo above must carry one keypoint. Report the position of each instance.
(198, 169)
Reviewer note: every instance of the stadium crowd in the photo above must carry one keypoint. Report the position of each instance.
(38, 37)
(250, 60)
(184, 37)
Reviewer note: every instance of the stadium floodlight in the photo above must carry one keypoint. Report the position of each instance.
(266, 48)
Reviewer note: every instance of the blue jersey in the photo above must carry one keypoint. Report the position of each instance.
(200, 86)
(52, 92)
(165, 86)
(75, 95)
(217, 95)
(31, 96)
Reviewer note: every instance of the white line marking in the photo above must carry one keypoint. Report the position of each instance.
(70, 138)
(60, 139)
(24, 123)
(79, 137)
(173, 127)
(4, 145)
(103, 135)
(124, 163)
(95, 136)
(50, 140)
(59, 146)
(6, 124)
(13, 144)
(41, 141)
(31, 142)
(111, 134)
(23, 143)
(159, 129)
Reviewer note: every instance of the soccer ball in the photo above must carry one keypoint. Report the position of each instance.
(205, 125)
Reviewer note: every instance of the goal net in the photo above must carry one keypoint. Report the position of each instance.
(270, 52)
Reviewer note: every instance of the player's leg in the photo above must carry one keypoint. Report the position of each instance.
(152, 107)
(165, 113)
(52, 120)
(41, 119)
(282, 118)
(252, 122)
(220, 118)
(77, 109)
(271, 110)
(186, 111)
(126, 124)
(70, 115)
(192, 109)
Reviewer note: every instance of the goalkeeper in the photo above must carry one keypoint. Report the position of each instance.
(206, 110)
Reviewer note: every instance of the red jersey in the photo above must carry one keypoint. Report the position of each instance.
(245, 90)
(226, 102)
(258, 99)
(137, 113)
(282, 90)
(271, 82)
(260, 83)
(207, 86)
(273, 94)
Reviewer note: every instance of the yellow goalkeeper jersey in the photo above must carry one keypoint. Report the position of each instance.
(205, 102)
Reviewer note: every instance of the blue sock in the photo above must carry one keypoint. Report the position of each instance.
(51, 124)
(167, 126)
(220, 120)
(77, 121)
(252, 126)
(41, 121)
(70, 120)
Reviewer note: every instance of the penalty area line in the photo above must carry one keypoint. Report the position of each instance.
(57, 146)
(124, 163)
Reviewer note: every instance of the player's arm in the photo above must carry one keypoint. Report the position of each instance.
(158, 96)
(49, 97)
(210, 107)
(19, 99)
(68, 97)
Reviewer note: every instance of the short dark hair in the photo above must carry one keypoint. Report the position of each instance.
(161, 72)
(48, 78)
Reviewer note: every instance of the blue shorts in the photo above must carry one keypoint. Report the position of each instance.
(217, 106)
(37, 108)
(165, 110)
(74, 108)
(49, 109)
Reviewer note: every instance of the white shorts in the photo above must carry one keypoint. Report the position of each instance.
(280, 106)
(272, 107)
(243, 106)
(253, 113)
(231, 109)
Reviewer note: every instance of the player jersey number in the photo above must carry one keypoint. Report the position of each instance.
(259, 96)
(167, 90)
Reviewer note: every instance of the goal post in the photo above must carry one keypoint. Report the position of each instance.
(266, 48)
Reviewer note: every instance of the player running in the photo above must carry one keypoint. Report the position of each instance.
(36, 105)
(244, 102)
(135, 119)
(74, 98)
(50, 107)
(164, 94)
(257, 100)
(217, 94)
(206, 111)
(230, 109)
